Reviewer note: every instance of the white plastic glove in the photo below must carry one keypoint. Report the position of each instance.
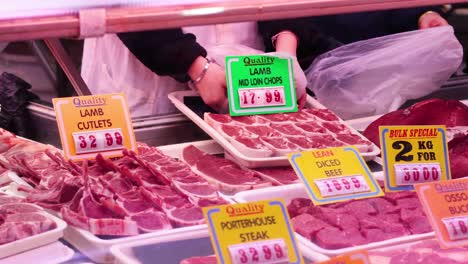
(300, 79)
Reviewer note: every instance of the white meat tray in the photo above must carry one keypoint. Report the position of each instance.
(288, 192)
(240, 158)
(124, 255)
(98, 249)
(53, 253)
(35, 241)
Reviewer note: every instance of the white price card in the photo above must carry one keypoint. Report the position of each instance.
(412, 173)
(342, 185)
(457, 227)
(98, 140)
(267, 252)
(258, 97)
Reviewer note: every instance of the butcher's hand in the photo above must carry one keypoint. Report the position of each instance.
(212, 85)
(431, 19)
(286, 43)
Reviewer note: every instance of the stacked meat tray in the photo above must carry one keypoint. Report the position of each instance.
(152, 198)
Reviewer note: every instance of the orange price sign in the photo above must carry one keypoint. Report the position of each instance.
(446, 205)
(358, 257)
(94, 124)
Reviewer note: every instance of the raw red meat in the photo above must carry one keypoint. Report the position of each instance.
(308, 225)
(278, 175)
(308, 129)
(357, 222)
(200, 260)
(458, 155)
(151, 221)
(224, 174)
(21, 220)
(450, 113)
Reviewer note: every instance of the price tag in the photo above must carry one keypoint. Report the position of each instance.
(99, 140)
(94, 124)
(269, 251)
(358, 257)
(457, 227)
(413, 154)
(260, 84)
(257, 232)
(446, 205)
(334, 175)
(342, 185)
(261, 97)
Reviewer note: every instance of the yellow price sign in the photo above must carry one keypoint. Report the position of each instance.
(358, 257)
(334, 175)
(94, 124)
(413, 154)
(256, 232)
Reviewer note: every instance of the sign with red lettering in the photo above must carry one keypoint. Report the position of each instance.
(446, 205)
(261, 97)
(413, 154)
(94, 124)
(256, 232)
(334, 175)
(358, 257)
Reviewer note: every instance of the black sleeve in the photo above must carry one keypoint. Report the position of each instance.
(311, 42)
(402, 20)
(165, 52)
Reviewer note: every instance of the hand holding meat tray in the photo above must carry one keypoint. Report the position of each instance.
(264, 141)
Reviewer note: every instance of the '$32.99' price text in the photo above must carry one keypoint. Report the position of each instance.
(101, 140)
(261, 97)
(270, 251)
(342, 185)
(457, 227)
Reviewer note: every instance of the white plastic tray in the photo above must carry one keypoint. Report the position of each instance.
(246, 161)
(35, 241)
(289, 192)
(123, 253)
(53, 253)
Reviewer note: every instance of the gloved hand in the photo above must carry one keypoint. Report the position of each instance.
(431, 19)
(300, 79)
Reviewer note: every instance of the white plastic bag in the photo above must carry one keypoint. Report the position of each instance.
(378, 75)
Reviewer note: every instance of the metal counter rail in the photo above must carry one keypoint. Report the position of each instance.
(126, 19)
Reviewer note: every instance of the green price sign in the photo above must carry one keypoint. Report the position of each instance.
(260, 84)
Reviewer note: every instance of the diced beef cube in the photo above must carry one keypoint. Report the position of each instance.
(374, 235)
(308, 225)
(333, 238)
(383, 206)
(393, 196)
(408, 202)
(407, 214)
(338, 218)
(360, 209)
(298, 206)
(419, 225)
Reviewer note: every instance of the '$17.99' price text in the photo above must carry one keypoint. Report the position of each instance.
(269, 251)
(342, 185)
(261, 97)
(457, 227)
(100, 140)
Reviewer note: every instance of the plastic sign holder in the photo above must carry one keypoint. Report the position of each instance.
(334, 175)
(446, 205)
(94, 124)
(260, 84)
(412, 155)
(358, 257)
(256, 232)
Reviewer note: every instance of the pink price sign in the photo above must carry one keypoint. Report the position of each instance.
(269, 96)
(98, 140)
